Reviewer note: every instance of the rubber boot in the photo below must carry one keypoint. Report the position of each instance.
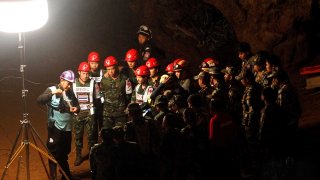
(78, 160)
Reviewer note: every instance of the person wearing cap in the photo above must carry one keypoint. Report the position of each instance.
(117, 89)
(235, 93)
(61, 103)
(203, 79)
(84, 90)
(148, 48)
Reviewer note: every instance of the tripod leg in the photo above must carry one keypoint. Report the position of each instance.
(18, 167)
(49, 155)
(26, 142)
(42, 161)
(11, 153)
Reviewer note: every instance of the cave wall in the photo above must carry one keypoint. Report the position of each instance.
(195, 29)
(285, 28)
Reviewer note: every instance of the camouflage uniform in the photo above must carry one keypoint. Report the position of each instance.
(116, 94)
(261, 78)
(84, 118)
(251, 105)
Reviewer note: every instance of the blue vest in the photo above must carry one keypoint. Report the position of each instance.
(62, 121)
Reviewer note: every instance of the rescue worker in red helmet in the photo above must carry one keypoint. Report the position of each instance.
(61, 103)
(96, 74)
(143, 89)
(84, 90)
(180, 67)
(208, 63)
(153, 66)
(148, 48)
(131, 58)
(117, 89)
(169, 69)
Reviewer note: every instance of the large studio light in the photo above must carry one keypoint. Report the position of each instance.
(22, 15)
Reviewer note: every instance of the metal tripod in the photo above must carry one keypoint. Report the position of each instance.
(27, 129)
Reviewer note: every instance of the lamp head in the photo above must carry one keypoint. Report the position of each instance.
(22, 15)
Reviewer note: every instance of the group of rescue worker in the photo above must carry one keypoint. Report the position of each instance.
(224, 123)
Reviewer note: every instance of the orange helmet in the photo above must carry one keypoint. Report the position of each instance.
(142, 71)
(84, 66)
(132, 55)
(93, 57)
(110, 61)
(169, 68)
(152, 63)
(179, 64)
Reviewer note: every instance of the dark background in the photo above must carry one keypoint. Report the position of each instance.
(76, 27)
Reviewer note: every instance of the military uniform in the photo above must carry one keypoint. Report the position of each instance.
(261, 78)
(85, 94)
(116, 97)
(97, 76)
(251, 105)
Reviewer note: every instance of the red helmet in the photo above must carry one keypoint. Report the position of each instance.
(93, 57)
(84, 66)
(152, 63)
(211, 62)
(132, 55)
(110, 61)
(169, 68)
(179, 64)
(142, 71)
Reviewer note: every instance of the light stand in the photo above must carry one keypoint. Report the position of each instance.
(20, 17)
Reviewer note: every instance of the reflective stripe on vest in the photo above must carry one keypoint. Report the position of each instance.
(143, 98)
(85, 96)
